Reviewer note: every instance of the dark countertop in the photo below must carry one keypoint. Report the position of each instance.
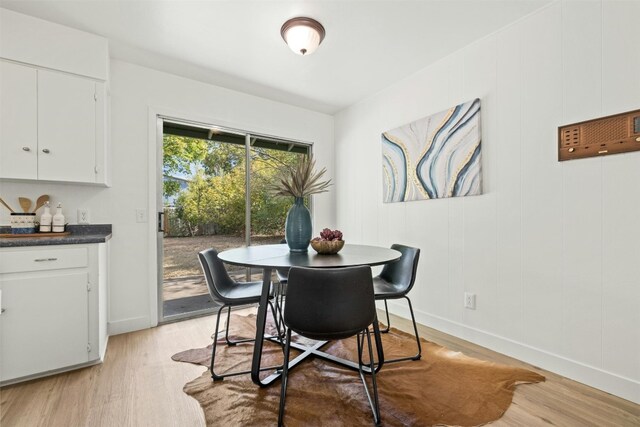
(80, 234)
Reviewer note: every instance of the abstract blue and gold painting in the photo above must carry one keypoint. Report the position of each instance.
(434, 157)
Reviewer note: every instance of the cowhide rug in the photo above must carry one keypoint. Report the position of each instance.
(443, 388)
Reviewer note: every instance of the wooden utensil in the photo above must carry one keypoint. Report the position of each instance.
(6, 205)
(40, 202)
(25, 204)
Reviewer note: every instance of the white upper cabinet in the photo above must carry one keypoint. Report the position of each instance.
(52, 125)
(66, 127)
(53, 102)
(18, 121)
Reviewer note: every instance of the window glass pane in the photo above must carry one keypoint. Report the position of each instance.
(204, 200)
(269, 212)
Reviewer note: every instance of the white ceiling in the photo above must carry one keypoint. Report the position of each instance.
(236, 44)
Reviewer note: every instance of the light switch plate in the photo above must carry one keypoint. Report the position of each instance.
(141, 215)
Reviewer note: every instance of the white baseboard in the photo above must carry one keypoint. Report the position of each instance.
(623, 387)
(128, 325)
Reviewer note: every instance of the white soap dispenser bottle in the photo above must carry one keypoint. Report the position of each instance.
(45, 219)
(58, 220)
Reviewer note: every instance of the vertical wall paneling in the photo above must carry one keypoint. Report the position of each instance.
(541, 181)
(620, 56)
(480, 274)
(370, 181)
(621, 269)
(621, 198)
(455, 259)
(551, 249)
(582, 186)
(508, 184)
(455, 256)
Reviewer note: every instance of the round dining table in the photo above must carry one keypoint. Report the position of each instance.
(270, 257)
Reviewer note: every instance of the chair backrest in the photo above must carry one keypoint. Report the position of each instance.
(216, 276)
(331, 303)
(402, 272)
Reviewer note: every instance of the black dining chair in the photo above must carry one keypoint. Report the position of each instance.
(394, 282)
(332, 304)
(229, 293)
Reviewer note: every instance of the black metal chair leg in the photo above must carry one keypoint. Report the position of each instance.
(280, 305)
(243, 340)
(379, 348)
(214, 346)
(226, 330)
(374, 403)
(386, 310)
(281, 333)
(376, 413)
(285, 373)
(276, 316)
(415, 330)
(217, 377)
(418, 355)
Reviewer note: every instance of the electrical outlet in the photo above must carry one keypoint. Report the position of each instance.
(83, 216)
(141, 215)
(470, 300)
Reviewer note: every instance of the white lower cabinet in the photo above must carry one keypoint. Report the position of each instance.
(53, 314)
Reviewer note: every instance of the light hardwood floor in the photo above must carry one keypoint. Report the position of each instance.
(139, 385)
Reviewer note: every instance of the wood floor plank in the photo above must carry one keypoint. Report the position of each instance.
(139, 385)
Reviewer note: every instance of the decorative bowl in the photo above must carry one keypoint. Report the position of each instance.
(327, 247)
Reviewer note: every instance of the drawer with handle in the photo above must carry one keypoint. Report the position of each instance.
(42, 259)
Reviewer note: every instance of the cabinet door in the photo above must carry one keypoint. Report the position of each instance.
(18, 121)
(44, 325)
(66, 127)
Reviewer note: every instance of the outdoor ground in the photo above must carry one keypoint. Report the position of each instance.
(183, 276)
(181, 253)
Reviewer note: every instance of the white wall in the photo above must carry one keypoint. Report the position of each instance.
(551, 249)
(135, 92)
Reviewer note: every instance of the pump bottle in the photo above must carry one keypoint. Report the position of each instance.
(45, 219)
(58, 220)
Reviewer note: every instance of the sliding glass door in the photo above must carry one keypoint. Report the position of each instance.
(215, 194)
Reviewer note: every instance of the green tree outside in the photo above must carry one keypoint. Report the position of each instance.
(216, 193)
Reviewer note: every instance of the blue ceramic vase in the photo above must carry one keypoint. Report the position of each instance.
(297, 228)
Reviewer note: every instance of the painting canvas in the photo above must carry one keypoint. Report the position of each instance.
(434, 157)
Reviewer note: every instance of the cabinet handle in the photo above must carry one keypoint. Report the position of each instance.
(26, 149)
(3, 310)
(45, 259)
(46, 150)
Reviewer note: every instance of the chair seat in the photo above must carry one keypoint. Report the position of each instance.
(243, 293)
(387, 290)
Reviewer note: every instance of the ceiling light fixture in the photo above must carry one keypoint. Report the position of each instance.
(303, 35)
